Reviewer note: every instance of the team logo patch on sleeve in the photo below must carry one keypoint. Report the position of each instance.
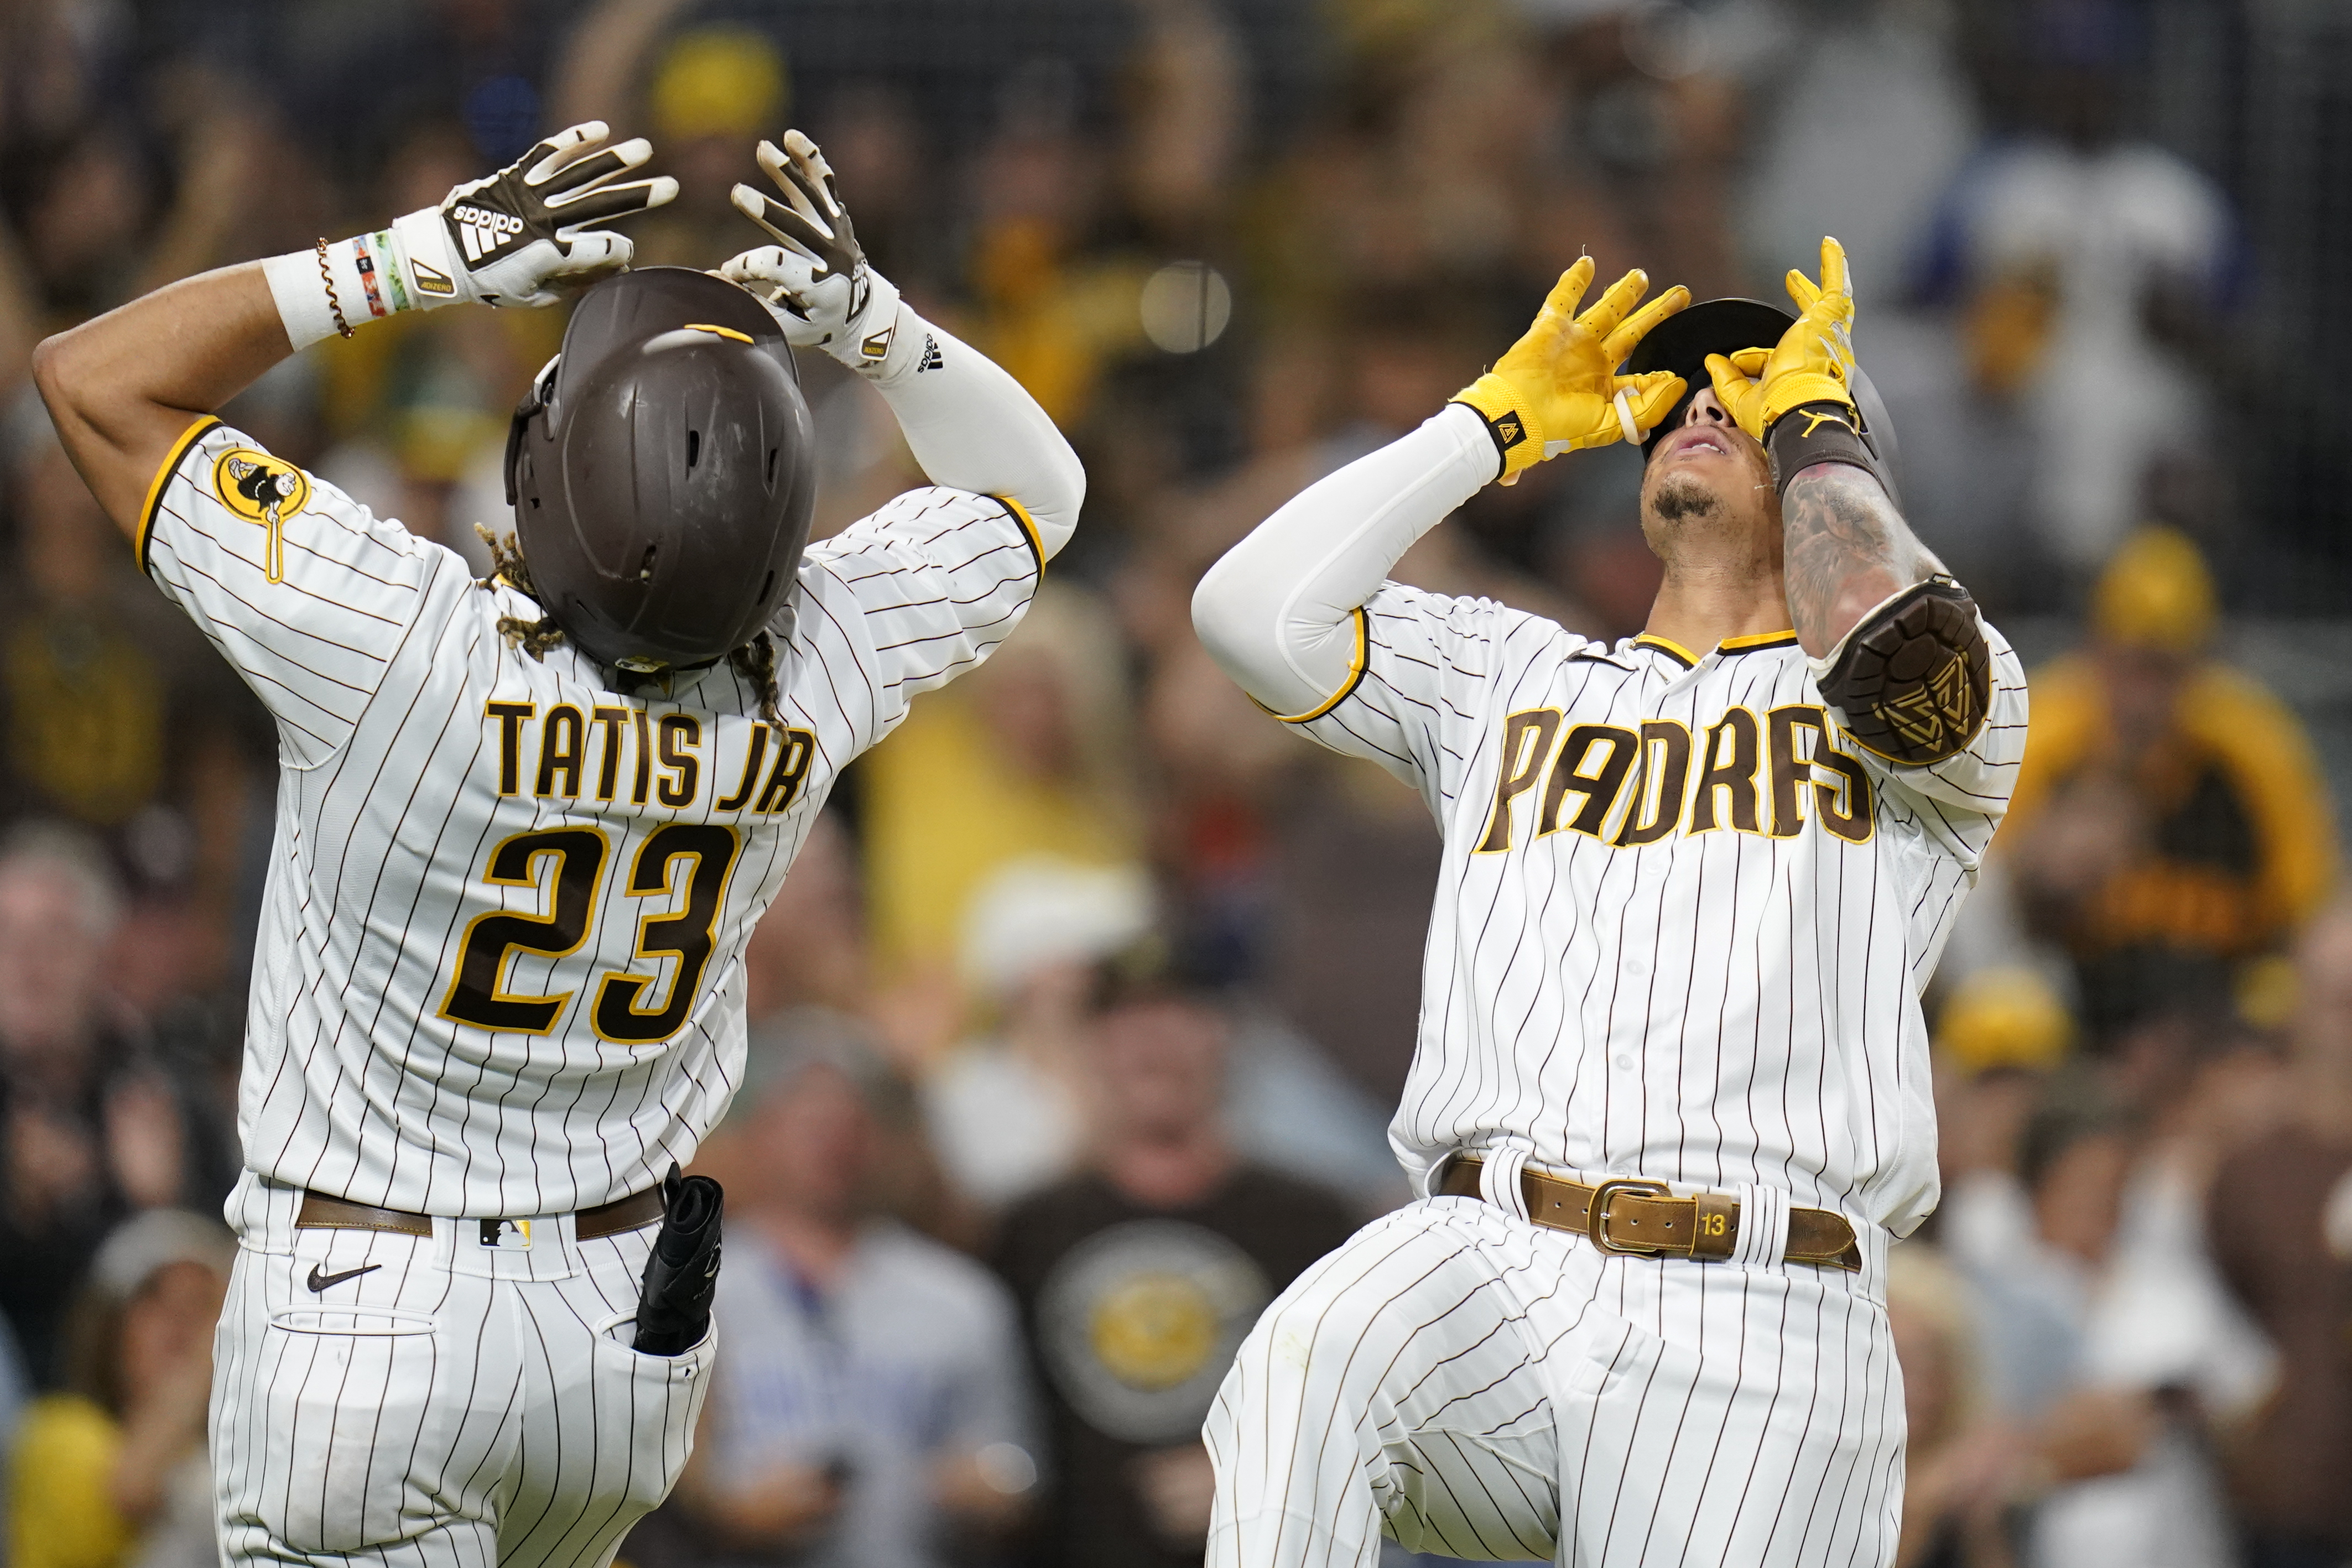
(265, 491)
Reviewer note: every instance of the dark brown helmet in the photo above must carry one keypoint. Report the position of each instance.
(662, 470)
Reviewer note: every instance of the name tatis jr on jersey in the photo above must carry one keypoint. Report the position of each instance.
(1749, 773)
(629, 754)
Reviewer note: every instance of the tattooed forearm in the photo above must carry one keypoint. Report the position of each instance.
(1844, 548)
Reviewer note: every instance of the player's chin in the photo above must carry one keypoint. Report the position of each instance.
(1690, 484)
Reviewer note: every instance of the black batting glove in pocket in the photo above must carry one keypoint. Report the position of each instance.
(682, 1272)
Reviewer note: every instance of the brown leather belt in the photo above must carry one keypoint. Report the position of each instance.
(1630, 1215)
(321, 1212)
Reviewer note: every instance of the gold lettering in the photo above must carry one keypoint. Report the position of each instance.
(608, 772)
(1527, 740)
(742, 796)
(563, 741)
(1844, 806)
(1789, 771)
(1727, 766)
(1658, 794)
(1599, 790)
(680, 734)
(793, 754)
(511, 717)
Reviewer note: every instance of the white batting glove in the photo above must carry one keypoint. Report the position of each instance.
(524, 236)
(815, 278)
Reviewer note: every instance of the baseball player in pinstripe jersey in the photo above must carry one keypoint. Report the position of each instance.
(526, 824)
(1671, 1098)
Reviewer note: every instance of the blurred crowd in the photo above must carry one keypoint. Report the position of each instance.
(1079, 1021)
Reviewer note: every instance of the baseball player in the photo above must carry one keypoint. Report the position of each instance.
(1671, 1097)
(525, 825)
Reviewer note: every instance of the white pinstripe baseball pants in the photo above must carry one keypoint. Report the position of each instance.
(1477, 1386)
(458, 1405)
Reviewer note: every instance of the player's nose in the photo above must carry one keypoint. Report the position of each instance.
(1705, 408)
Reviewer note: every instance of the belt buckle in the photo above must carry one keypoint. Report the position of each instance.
(1596, 1214)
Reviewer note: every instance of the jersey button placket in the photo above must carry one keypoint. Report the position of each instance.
(1677, 678)
(1630, 1022)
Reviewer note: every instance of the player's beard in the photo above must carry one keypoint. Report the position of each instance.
(1689, 524)
(1683, 516)
(1683, 498)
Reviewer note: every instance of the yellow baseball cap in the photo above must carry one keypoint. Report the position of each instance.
(2004, 1018)
(719, 81)
(2156, 592)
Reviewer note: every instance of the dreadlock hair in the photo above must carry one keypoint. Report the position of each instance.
(754, 662)
(533, 637)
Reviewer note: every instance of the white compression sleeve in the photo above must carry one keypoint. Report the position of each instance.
(972, 425)
(1277, 612)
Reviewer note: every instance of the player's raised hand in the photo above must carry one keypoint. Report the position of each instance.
(815, 276)
(1813, 362)
(532, 233)
(1557, 390)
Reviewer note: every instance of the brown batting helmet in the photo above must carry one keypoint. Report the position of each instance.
(662, 470)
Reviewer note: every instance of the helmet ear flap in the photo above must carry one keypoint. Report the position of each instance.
(532, 403)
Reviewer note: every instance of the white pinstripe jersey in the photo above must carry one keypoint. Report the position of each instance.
(1682, 920)
(498, 969)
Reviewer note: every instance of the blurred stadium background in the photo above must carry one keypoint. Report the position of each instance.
(1079, 1022)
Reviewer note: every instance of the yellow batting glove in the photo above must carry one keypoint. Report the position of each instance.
(1557, 390)
(1813, 362)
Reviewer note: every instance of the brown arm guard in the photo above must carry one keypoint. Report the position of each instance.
(1915, 677)
(1822, 432)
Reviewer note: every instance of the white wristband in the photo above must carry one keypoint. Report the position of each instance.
(300, 293)
(342, 286)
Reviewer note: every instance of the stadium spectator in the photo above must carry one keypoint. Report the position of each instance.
(2279, 1216)
(2171, 820)
(870, 1405)
(1998, 1036)
(115, 717)
(1005, 1109)
(2112, 1410)
(2094, 267)
(111, 1470)
(86, 708)
(809, 950)
(714, 92)
(90, 1128)
(1961, 1468)
(1138, 1275)
(1033, 758)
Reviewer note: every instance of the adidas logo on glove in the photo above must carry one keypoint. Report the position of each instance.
(482, 230)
